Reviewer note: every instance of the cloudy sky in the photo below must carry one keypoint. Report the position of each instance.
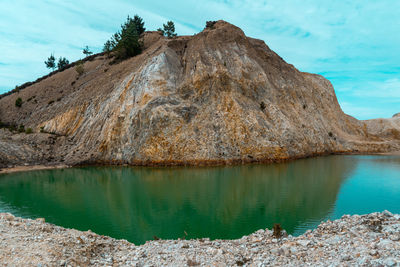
(353, 43)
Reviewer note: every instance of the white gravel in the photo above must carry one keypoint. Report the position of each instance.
(367, 240)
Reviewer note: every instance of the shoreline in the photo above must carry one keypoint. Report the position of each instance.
(357, 240)
(24, 168)
(394, 153)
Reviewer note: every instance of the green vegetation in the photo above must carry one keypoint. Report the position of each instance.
(12, 127)
(21, 128)
(210, 24)
(86, 51)
(125, 43)
(169, 29)
(51, 62)
(79, 68)
(122, 45)
(62, 63)
(18, 102)
(139, 23)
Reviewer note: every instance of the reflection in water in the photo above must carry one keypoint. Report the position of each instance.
(222, 202)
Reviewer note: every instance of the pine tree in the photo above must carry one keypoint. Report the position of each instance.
(51, 62)
(18, 102)
(125, 43)
(169, 29)
(86, 51)
(62, 63)
(138, 21)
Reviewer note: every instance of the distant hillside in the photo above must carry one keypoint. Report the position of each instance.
(217, 97)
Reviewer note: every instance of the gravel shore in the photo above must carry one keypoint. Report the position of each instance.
(367, 240)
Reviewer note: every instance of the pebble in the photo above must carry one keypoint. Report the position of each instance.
(304, 243)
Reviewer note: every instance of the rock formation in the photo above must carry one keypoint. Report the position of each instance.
(216, 97)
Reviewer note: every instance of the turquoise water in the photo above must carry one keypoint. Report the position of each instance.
(138, 203)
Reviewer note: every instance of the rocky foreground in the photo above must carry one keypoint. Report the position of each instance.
(367, 240)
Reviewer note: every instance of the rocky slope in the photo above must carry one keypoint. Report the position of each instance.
(215, 97)
(368, 240)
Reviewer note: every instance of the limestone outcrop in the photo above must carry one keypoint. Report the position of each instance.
(217, 97)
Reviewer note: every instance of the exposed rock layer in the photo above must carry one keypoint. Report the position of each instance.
(215, 97)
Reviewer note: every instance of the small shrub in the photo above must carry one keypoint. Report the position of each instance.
(277, 230)
(21, 128)
(79, 68)
(262, 106)
(11, 127)
(42, 129)
(29, 131)
(210, 24)
(18, 102)
(50, 102)
(330, 134)
(59, 99)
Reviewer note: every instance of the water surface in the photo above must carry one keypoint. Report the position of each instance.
(219, 202)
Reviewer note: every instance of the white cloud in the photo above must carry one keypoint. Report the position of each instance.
(387, 89)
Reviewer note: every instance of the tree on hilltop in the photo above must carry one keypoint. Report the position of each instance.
(125, 43)
(62, 63)
(51, 62)
(169, 29)
(139, 23)
(86, 51)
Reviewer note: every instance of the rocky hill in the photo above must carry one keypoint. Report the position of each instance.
(217, 97)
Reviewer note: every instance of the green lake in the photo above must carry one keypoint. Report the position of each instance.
(138, 203)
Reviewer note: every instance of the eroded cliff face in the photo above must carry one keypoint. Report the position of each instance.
(215, 97)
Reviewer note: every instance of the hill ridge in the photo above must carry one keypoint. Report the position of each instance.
(218, 97)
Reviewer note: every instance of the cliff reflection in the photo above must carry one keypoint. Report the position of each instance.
(138, 203)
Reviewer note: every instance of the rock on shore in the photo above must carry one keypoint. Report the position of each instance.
(367, 240)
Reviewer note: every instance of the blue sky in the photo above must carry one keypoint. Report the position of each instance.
(355, 44)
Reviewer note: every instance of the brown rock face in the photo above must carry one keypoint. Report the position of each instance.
(216, 97)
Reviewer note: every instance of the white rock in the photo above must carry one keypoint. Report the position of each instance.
(304, 243)
(389, 262)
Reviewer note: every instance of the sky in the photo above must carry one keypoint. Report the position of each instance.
(353, 43)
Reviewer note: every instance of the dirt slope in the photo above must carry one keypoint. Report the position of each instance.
(215, 97)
